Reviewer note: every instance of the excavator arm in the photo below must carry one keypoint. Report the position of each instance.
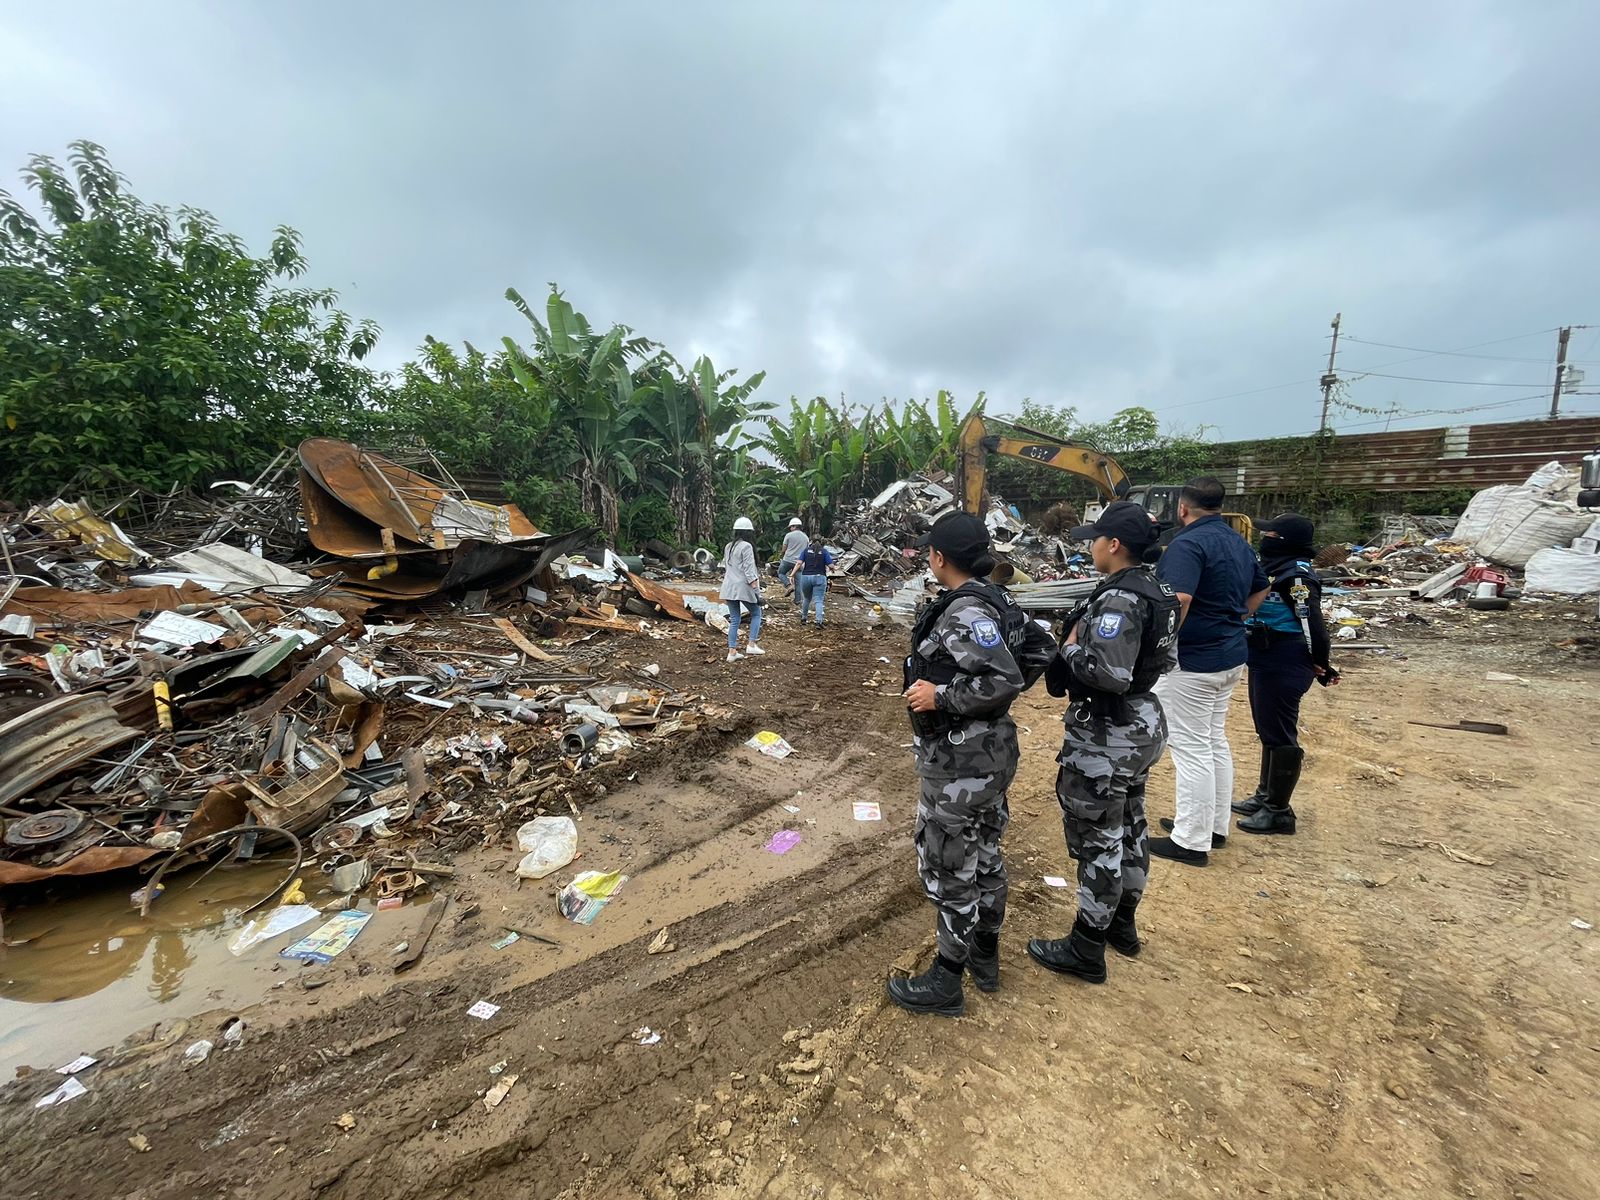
(977, 443)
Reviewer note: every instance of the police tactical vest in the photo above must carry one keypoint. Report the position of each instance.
(1157, 635)
(1013, 631)
(813, 562)
(1276, 613)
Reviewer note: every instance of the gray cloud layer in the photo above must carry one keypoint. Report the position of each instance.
(1094, 204)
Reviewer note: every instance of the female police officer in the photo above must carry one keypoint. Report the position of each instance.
(1288, 649)
(1121, 640)
(972, 652)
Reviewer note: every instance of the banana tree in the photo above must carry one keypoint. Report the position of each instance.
(590, 385)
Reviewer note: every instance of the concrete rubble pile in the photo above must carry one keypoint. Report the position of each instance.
(419, 674)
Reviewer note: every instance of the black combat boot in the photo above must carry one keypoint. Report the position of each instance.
(1253, 803)
(1276, 816)
(1121, 935)
(1082, 952)
(983, 961)
(937, 990)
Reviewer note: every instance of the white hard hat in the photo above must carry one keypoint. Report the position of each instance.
(794, 522)
(742, 524)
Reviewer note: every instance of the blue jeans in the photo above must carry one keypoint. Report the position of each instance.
(812, 587)
(734, 618)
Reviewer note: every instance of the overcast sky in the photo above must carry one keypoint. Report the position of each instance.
(1089, 204)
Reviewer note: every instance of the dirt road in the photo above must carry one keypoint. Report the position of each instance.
(1395, 1002)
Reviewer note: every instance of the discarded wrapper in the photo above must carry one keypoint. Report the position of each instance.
(82, 1062)
(270, 924)
(582, 899)
(70, 1089)
(1054, 881)
(770, 744)
(497, 1093)
(330, 940)
(782, 842)
(867, 810)
(483, 1010)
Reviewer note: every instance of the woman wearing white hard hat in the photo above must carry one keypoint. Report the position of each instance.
(794, 545)
(741, 587)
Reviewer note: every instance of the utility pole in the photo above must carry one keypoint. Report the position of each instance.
(1561, 371)
(1329, 379)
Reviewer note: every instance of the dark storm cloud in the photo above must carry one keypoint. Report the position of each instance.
(1099, 205)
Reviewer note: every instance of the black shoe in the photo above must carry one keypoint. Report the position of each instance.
(1082, 953)
(1122, 935)
(1218, 840)
(1169, 849)
(983, 961)
(1276, 816)
(1253, 802)
(937, 990)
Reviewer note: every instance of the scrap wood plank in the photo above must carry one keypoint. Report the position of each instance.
(515, 637)
(664, 598)
(303, 678)
(591, 623)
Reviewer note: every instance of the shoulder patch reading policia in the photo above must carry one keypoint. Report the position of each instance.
(1109, 626)
(986, 632)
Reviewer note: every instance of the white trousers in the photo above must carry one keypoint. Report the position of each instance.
(1196, 705)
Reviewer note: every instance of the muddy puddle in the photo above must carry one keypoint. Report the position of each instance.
(89, 971)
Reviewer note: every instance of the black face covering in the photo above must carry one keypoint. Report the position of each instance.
(1280, 551)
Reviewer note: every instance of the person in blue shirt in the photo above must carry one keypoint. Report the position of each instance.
(1219, 583)
(810, 579)
(1288, 650)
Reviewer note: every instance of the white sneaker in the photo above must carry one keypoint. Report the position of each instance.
(752, 648)
(734, 656)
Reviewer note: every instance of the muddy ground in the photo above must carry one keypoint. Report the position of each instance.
(1394, 1002)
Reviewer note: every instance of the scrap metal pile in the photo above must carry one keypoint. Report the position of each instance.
(878, 541)
(419, 674)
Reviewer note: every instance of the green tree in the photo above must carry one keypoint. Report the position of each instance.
(146, 345)
(589, 384)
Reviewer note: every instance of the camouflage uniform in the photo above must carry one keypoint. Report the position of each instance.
(1107, 754)
(965, 773)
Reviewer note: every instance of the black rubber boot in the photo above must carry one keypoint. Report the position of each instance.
(1254, 802)
(1081, 953)
(983, 961)
(1276, 816)
(1122, 935)
(937, 990)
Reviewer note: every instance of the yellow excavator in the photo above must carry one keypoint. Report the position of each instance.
(1011, 440)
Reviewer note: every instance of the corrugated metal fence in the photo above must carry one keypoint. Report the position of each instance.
(1414, 460)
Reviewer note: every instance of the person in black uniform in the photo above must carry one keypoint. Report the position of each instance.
(1288, 648)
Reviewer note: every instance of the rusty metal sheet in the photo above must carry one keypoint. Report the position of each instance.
(91, 862)
(46, 604)
(55, 737)
(663, 597)
(379, 494)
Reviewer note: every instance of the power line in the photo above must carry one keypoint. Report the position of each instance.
(1360, 374)
(1426, 353)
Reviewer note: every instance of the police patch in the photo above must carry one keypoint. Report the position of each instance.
(1110, 625)
(986, 632)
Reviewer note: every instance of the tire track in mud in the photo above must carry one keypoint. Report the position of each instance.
(591, 1110)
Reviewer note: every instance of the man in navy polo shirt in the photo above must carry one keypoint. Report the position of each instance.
(1219, 582)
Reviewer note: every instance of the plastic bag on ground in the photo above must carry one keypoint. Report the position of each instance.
(548, 844)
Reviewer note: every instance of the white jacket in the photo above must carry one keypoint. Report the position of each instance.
(740, 577)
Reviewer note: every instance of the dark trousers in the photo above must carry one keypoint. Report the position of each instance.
(1280, 674)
